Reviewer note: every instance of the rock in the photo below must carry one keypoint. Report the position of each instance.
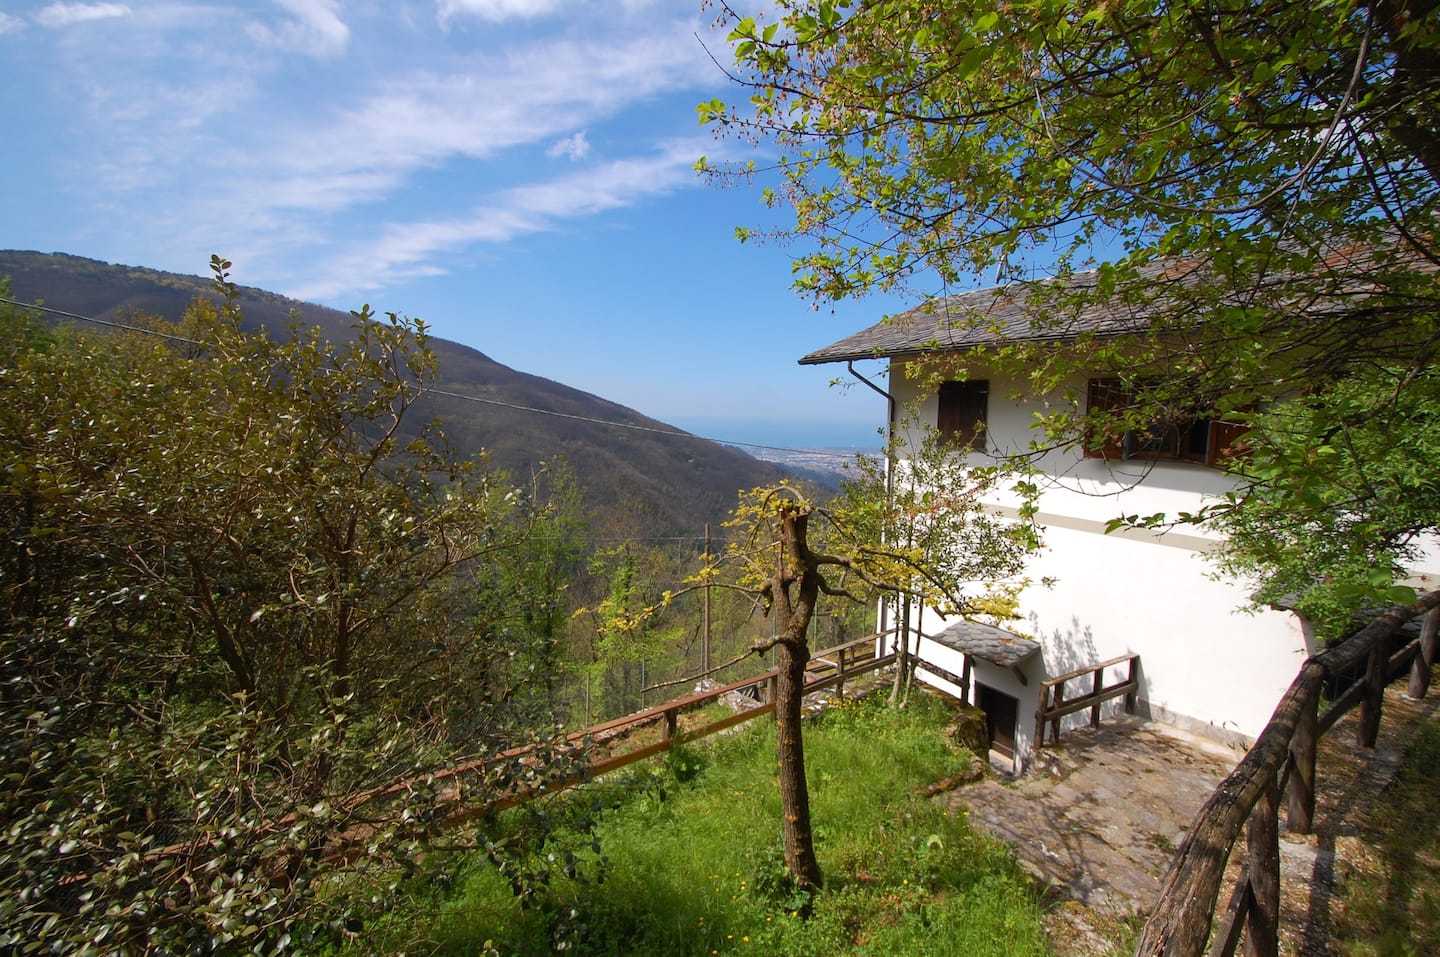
(967, 730)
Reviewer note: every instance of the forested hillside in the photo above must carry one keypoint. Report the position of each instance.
(633, 481)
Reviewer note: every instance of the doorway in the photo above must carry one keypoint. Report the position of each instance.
(1001, 713)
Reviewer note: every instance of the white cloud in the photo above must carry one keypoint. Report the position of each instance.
(575, 147)
(497, 10)
(9, 24)
(200, 144)
(404, 250)
(421, 120)
(64, 14)
(314, 27)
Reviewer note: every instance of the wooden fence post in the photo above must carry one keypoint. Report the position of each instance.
(1262, 924)
(1040, 716)
(1300, 814)
(672, 718)
(1055, 722)
(1096, 679)
(1377, 676)
(1425, 658)
(1133, 693)
(840, 671)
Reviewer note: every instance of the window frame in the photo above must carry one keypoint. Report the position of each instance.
(1178, 443)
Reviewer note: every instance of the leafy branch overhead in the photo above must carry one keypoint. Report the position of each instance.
(1221, 208)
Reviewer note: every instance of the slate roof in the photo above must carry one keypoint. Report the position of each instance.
(988, 643)
(989, 316)
(1033, 312)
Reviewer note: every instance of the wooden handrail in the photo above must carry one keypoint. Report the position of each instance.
(1054, 705)
(1284, 753)
(849, 666)
(454, 806)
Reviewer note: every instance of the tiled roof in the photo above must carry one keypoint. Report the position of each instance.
(1044, 311)
(988, 643)
(984, 317)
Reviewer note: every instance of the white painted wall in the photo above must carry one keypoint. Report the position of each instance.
(1205, 665)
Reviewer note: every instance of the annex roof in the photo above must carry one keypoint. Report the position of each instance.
(989, 643)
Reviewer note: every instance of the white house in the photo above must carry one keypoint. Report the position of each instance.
(1204, 664)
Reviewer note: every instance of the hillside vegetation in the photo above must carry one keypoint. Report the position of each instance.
(248, 605)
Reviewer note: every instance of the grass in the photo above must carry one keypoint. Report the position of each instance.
(685, 859)
(1391, 908)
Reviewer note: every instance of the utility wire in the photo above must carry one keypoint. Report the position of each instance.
(459, 395)
(100, 322)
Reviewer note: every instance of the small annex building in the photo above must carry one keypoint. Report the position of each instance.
(1206, 665)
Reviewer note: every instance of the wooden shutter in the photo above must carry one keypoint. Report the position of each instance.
(1105, 395)
(1226, 441)
(963, 410)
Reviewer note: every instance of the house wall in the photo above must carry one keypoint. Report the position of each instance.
(1206, 665)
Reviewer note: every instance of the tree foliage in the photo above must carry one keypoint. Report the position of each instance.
(1260, 179)
(238, 588)
(1340, 492)
(936, 540)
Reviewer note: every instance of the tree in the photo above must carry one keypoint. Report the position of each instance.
(790, 551)
(237, 589)
(940, 518)
(1262, 178)
(1340, 491)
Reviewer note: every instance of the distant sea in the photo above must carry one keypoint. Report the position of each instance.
(844, 436)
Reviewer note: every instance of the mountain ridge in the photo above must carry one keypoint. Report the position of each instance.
(637, 472)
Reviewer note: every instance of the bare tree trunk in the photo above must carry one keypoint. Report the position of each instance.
(800, 856)
(902, 651)
(904, 660)
(795, 570)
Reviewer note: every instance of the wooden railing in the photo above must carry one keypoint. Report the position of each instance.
(1283, 755)
(829, 668)
(465, 791)
(1054, 705)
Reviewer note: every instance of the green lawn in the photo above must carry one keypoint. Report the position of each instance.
(684, 858)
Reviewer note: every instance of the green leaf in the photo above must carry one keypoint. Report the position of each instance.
(1402, 595)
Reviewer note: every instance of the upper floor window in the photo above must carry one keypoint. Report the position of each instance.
(963, 407)
(1181, 438)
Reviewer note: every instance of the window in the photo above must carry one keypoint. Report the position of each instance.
(962, 413)
(1204, 440)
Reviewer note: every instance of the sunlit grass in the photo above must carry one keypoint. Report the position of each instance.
(1391, 908)
(690, 861)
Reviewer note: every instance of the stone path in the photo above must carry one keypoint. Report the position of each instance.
(1098, 819)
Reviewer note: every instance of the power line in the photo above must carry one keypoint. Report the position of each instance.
(462, 396)
(100, 322)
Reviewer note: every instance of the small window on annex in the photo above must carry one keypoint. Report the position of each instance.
(963, 407)
(1203, 440)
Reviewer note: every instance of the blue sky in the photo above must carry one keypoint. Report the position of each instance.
(518, 173)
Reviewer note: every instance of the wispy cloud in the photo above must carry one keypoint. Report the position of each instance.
(9, 24)
(497, 10)
(496, 104)
(208, 137)
(575, 147)
(314, 28)
(405, 250)
(65, 14)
